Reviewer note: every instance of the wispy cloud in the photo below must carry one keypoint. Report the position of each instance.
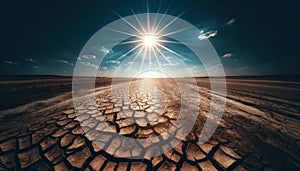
(207, 35)
(128, 63)
(65, 62)
(29, 59)
(11, 62)
(105, 50)
(88, 64)
(214, 67)
(89, 56)
(103, 68)
(170, 64)
(113, 61)
(193, 67)
(36, 67)
(227, 55)
(113, 68)
(231, 21)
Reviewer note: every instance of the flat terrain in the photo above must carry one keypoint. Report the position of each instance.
(40, 130)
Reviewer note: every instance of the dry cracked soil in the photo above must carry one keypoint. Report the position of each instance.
(41, 130)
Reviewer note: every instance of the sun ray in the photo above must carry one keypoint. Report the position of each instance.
(136, 18)
(135, 57)
(126, 33)
(150, 56)
(130, 24)
(171, 22)
(138, 46)
(130, 42)
(174, 32)
(175, 53)
(148, 17)
(155, 19)
(161, 19)
(156, 58)
(158, 24)
(144, 56)
(163, 55)
(167, 41)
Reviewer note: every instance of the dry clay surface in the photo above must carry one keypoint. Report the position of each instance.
(258, 131)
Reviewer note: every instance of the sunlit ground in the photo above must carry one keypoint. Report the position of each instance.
(41, 131)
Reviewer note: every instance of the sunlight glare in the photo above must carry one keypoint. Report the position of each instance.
(149, 40)
(152, 74)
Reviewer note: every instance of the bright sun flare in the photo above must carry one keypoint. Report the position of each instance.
(149, 41)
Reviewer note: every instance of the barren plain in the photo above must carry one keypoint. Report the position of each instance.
(40, 129)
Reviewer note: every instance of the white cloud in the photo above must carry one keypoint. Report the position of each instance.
(11, 62)
(36, 67)
(227, 55)
(88, 57)
(170, 64)
(231, 21)
(194, 67)
(207, 35)
(103, 68)
(105, 50)
(214, 67)
(128, 63)
(88, 64)
(29, 59)
(65, 62)
(113, 67)
(113, 61)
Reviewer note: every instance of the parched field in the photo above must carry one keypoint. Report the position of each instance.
(41, 130)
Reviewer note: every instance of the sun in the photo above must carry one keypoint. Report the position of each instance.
(149, 40)
(150, 37)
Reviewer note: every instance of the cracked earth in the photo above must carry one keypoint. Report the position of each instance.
(259, 129)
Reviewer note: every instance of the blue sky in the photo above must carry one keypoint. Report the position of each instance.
(251, 38)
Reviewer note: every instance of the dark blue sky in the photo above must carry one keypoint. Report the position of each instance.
(252, 38)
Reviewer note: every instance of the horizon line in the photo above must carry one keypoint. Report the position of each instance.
(54, 75)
